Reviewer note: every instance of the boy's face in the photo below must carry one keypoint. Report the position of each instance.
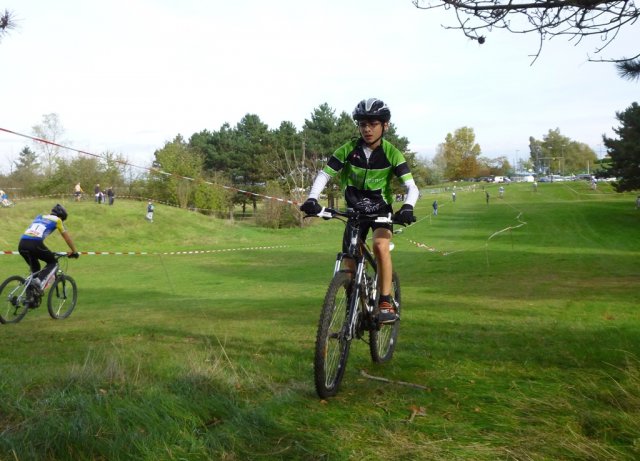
(371, 130)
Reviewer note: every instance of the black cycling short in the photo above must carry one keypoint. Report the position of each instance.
(35, 250)
(364, 230)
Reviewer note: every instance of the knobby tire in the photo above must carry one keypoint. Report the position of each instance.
(332, 348)
(63, 296)
(382, 341)
(12, 307)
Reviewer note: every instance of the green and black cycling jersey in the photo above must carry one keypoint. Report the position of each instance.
(366, 179)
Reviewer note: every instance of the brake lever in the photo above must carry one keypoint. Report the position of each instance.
(324, 214)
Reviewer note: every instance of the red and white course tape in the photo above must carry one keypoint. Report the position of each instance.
(152, 253)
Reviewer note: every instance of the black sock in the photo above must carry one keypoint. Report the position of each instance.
(385, 298)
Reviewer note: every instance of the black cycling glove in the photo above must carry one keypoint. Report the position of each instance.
(311, 206)
(405, 215)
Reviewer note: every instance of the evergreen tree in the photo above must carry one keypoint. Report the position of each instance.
(625, 151)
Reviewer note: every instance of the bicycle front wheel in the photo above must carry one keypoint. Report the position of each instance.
(63, 296)
(12, 298)
(382, 341)
(332, 344)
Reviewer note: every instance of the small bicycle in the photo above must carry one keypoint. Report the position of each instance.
(18, 295)
(350, 307)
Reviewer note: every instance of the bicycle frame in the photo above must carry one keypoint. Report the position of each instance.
(19, 294)
(29, 279)
(364, 289)
(350, 304)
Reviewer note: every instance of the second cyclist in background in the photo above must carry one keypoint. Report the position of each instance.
(365, 167)
(33, 249)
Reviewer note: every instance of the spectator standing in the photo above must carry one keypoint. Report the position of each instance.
(453, 196)
(97, 192)
(111, 195)
(435, 207)
(150, 209)
(77, 192)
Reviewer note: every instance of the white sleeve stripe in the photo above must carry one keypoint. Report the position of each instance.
(413, 193)
(318, 185)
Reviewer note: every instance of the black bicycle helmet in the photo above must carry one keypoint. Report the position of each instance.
(372, 109)
(59, 211)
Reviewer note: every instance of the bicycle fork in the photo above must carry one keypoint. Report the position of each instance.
(362, 290)
(61, 289)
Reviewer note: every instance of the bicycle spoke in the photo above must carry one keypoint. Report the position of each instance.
(12, 298)
(63, 296)
(332, 345)
(383, 340)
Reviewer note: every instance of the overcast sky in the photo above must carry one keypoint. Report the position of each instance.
(127, 75)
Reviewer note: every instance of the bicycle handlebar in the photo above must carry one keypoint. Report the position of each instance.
(329, 213)
(63, 254)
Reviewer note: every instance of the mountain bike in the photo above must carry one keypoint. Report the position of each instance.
(350, 305)
(19, 294)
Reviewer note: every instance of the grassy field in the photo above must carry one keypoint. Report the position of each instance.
(520, 322)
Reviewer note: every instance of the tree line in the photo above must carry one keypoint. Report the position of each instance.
(208, 168)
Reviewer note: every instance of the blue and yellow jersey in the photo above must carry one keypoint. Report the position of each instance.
(42, 226)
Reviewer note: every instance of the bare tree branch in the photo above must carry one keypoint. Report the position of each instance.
(7, 22)
(575, 19)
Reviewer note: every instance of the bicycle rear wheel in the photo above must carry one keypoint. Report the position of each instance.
(332, 346)
(12, 300)
(382, 341)
(63, 296)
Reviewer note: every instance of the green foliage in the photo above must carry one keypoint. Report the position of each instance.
(276, 214)
(401, 142)
(459, 154)
(27, 160)
(213, 199)
(216, 149)
(288, 163)
(184, 165)
(625, 151)
(25, 176)
(498, 166)
(324, 132)
(420, 171)
(85, 170)
(558, 154)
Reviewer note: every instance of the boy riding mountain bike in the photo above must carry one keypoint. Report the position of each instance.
(366, 167)
(33, 249)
